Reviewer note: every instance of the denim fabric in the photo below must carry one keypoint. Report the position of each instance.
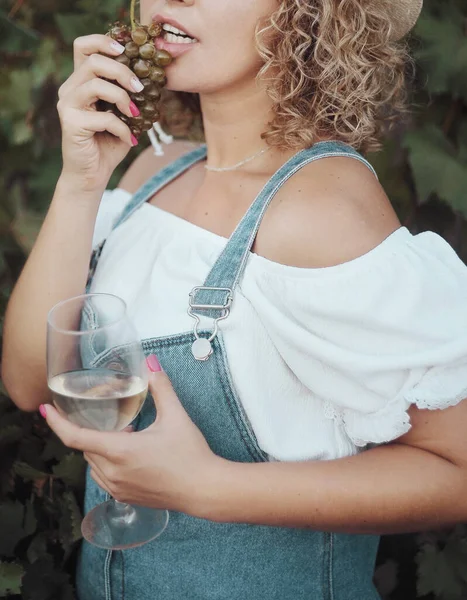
(196, 559)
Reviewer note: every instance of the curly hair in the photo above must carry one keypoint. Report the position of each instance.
(331, 70)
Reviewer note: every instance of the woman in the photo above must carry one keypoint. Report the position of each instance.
(342, 331)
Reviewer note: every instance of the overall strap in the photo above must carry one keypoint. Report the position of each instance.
(231, 263)
(214, 298)
(144, 193)
(159, 180)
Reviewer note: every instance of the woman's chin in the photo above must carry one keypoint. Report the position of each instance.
(181, 84)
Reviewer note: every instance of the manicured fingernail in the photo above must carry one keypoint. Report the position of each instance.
(134, 140)
(42, 410)
(117, 47)
(134, 109)
(136, 84)
(153, 363)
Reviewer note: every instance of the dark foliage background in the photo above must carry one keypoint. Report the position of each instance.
(423, 169)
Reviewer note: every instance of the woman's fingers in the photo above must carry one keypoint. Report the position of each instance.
(98, 89)
(100, 122)
(84, 122)
(103, 67)
(79, 438)
(86, 45)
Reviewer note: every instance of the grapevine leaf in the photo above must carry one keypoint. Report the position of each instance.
(69, 522)
(443, 52)
(456, 554)
(38, 547)
(436, 574)
(75, 516)
(16, 97)
(11, 526)
(45, 63)
(72, 26)
(28, 473)
(14, 36)
(22, 132)
(437, 168)
(54, 449)
(71, 470)
(11, 575)
(107, 11)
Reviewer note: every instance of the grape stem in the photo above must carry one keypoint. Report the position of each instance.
(132, 14)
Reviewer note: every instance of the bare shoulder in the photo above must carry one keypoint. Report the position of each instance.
(330, 212)
(147, 164)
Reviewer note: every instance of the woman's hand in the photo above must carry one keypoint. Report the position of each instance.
(94, 143)
(169, 465)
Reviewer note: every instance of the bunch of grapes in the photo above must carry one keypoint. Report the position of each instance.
(147, 63)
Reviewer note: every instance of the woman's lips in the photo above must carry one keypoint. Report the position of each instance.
(175, 50)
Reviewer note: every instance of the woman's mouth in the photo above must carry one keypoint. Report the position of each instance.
(173, 35)
(174, 39)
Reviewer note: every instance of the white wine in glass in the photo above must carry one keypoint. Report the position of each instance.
(98, 398)
(98, 378)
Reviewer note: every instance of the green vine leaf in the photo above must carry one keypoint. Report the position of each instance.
(28, 473)
(54, 449)
(11, 527)
(437, 168)
(11, 575)
(71, 470)
(72, 26)
(436, 575)
(70, 521)
(443, 52)
(38, 547)
(75, 516)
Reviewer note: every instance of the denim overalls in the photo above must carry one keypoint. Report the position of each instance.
(195, 559)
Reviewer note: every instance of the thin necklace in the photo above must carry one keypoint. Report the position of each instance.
(239, 164)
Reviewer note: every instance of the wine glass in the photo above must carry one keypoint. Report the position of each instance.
(97, 373)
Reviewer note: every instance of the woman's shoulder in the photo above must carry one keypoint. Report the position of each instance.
(330, 212)
(147, 163)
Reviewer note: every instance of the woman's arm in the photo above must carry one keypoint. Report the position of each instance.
(417, 483)
(56, 269)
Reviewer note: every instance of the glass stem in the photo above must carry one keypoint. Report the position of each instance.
(121, 514)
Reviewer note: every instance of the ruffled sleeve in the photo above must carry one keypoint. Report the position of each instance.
(374, 335)
(111, 206)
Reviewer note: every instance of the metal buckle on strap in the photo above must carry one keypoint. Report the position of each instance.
(226, 306)
(202, 347)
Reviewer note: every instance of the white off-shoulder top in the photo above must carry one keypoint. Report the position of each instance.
(325, 360)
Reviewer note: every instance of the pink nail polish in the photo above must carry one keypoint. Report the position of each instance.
(134, 140)
(153, 364)
(134, 109)
(42, 410)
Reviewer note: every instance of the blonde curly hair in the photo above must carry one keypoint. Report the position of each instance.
(331, 70)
